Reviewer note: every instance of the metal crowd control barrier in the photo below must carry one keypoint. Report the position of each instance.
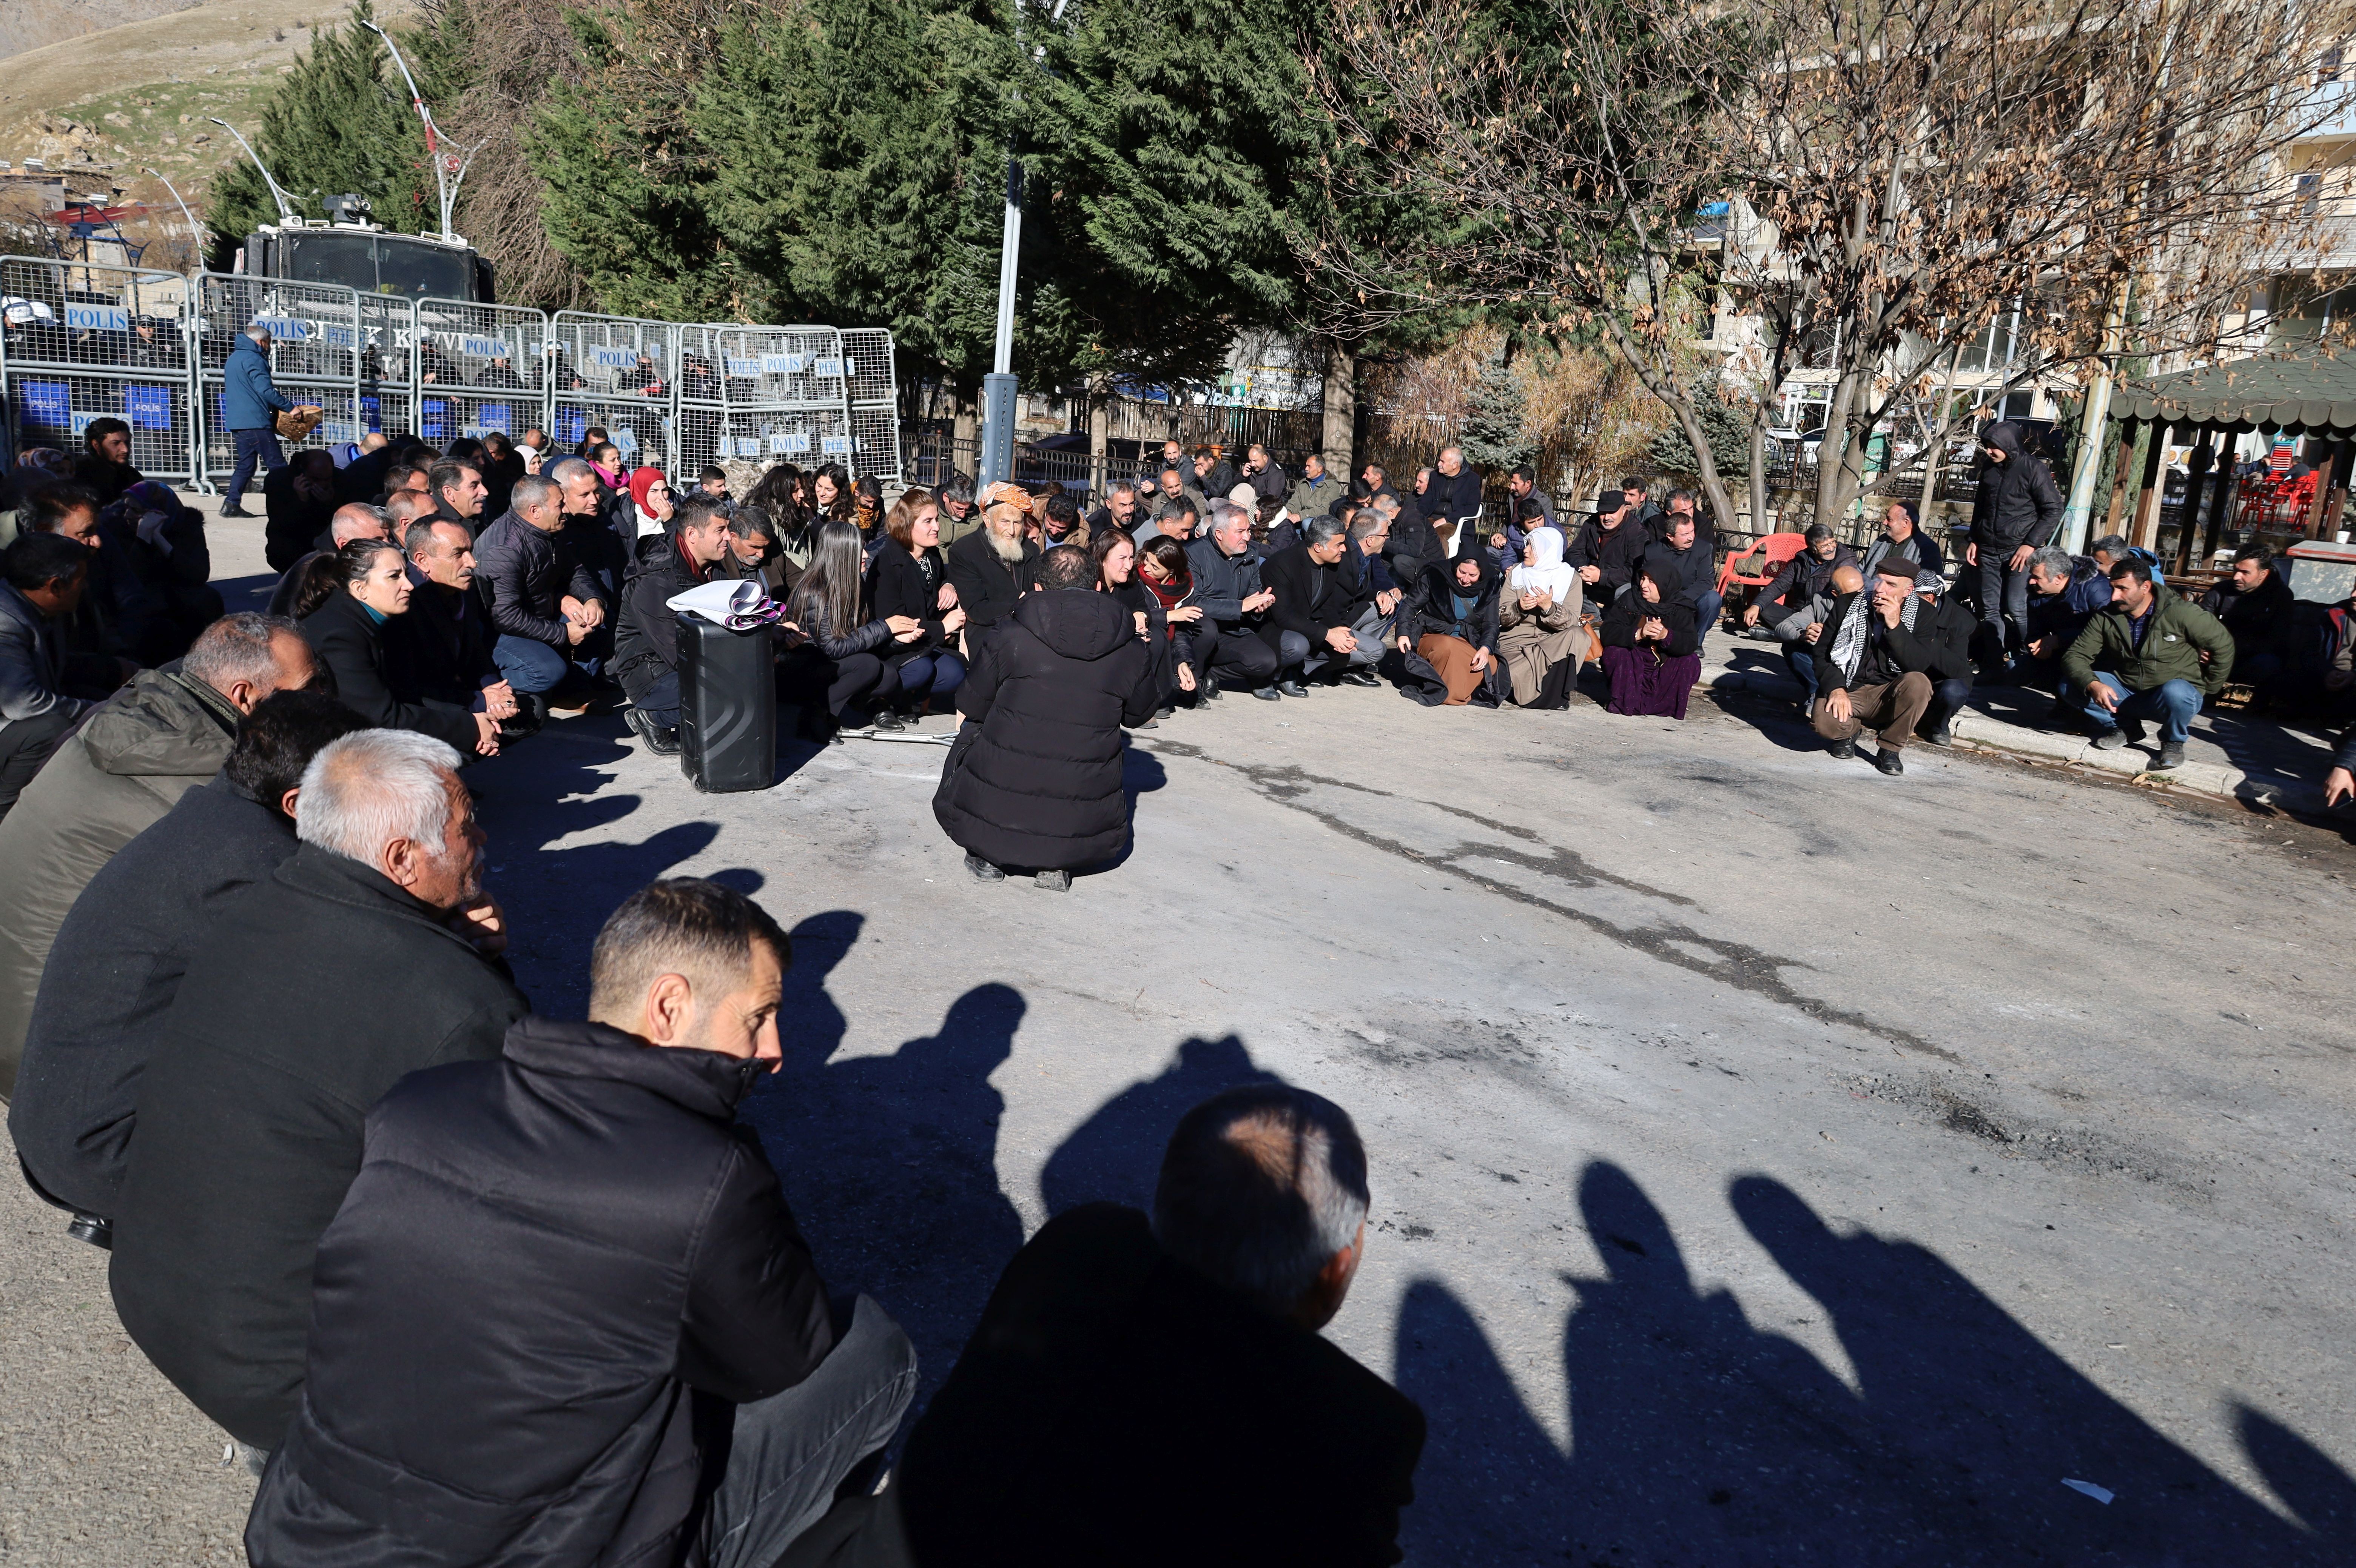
(478, 368)
(614, 372)
(873, 393)
(80, 342)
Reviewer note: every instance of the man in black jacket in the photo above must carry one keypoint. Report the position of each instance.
(1234, 605)
(543, 602)
(628, 1357)
(2256, 607)
(371, 952)
(1682, 565)
(1454, 492)
(119, 955)
(1155, 1393)
(646, 640)
(1318, 608)
(1034, 779)
(1606, 551)
(1876, 661)
(442, 648)
(1793, 606)
(2013, 517)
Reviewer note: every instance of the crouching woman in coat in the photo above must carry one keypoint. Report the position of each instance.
(1034, 779)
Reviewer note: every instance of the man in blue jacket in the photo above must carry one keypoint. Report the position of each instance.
(249, 403)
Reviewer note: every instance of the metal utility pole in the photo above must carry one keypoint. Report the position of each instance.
(449, 168)
(997, 459)
(195, 235)
(285, 208)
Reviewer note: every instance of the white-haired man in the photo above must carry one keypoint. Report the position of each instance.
(370, 953)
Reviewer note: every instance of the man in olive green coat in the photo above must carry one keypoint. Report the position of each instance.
(129, 763)
(2150, 654)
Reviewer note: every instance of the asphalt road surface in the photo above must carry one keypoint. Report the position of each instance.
(1773, 1163)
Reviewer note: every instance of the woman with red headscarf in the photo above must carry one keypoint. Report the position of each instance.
(651, 501)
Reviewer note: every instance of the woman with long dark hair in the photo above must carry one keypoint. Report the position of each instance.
(1116, 559)
(909, 578)
(833, 656)
(1163, 572)
(344, 601)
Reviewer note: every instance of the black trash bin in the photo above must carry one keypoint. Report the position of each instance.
(727, 706)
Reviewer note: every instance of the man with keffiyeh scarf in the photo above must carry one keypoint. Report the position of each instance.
(1875, 661)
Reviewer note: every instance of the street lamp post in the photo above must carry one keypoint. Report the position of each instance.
(997, 458)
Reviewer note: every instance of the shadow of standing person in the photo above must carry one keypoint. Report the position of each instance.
(1986, 1421)
(890, 1163)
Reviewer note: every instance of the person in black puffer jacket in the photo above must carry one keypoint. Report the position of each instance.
(626, 1357)
(1034, 779)
(832, 658)
(685, 554)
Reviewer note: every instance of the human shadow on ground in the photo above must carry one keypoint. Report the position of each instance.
(1701, 1438)
(890, 1163)
(556, 899)
(1116, 1154)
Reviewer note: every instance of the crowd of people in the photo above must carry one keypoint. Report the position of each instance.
(470, 1284)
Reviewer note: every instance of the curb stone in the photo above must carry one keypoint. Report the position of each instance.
(2133, 762)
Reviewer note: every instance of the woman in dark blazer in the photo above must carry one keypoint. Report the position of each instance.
(343, 605)
(909, 578)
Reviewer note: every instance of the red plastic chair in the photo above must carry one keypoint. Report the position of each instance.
(1778, 549)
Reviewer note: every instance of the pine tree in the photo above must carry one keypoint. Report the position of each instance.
(1494, 438)
(333, 126)
(1728, 431)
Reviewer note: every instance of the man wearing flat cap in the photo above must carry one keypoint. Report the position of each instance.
(1884, 648)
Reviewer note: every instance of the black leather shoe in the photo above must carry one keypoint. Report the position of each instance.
(660, 739)
(984, 871)
(1268, 694)
(234, 512)
(885, 720)
(1292, 688)
(1211, 690)
(1841, 750)
(1361, 677)
(1890, 761)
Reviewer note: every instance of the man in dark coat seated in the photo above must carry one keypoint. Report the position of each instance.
(646, 640)
(120, 953)
(991, 568)
(1156, 1394)
(1321, 614)
(442, 648)
(627, 1355)
(2256, 607)
(371, 952)
(1034, 777)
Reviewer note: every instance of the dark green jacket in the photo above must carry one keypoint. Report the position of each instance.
(2180, 630)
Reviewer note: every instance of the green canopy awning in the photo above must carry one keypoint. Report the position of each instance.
(2310, 394)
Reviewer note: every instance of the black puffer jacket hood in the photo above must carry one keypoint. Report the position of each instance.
(1077, 624)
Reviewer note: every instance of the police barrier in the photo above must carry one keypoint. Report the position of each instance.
(615, 372)
(81, 342)
(873, 391)
(478, 368)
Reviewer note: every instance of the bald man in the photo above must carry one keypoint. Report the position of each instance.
(351, 523)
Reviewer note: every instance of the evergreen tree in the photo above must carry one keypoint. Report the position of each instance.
(333, 126)
(1729, 431)
(1174, 162)
(1494, 437)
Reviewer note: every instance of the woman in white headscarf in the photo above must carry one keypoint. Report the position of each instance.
(1537, 621)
